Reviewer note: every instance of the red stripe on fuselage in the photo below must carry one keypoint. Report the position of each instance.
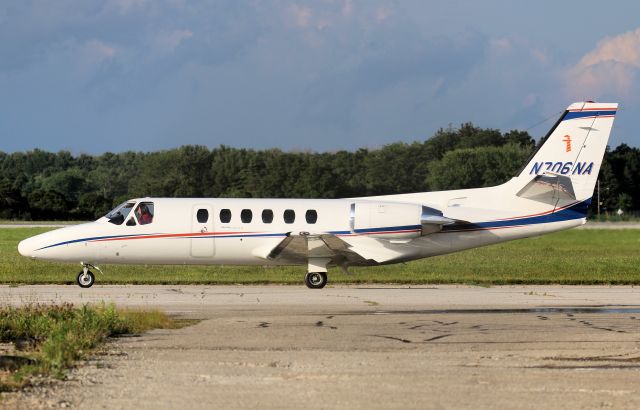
(172, 235)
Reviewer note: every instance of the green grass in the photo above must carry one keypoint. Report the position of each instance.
(629, 216)
(570, 257)
(19, 222)
(50, 338)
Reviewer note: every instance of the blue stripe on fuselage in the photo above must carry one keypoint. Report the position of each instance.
(575, 211)
(94, 238)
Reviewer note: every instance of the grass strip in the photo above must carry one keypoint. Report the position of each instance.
(49, 339)
(586, 257)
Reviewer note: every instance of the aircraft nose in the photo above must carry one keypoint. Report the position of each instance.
(26, 248)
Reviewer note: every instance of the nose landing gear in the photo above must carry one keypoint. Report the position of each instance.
(86, 278)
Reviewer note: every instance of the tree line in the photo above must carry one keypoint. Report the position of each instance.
(42, 185)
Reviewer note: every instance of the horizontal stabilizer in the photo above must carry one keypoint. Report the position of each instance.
(548, 188)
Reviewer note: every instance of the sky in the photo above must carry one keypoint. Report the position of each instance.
(95, 76)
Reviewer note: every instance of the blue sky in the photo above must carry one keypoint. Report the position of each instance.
(95, 76)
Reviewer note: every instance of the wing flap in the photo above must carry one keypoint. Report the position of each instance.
(300, 247)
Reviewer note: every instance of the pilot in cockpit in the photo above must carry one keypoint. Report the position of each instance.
(143, 214)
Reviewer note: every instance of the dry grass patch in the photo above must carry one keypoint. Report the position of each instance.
(49, 339)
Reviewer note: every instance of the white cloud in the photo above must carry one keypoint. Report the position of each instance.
(610, 68)
(624, 48)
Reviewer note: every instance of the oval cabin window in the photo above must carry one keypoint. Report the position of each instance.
(246, 216)
(225, 216)
(267, 216)
(311, 216)
(202, 215)
(289, 216)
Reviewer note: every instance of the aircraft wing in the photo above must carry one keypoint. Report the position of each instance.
(350, 250)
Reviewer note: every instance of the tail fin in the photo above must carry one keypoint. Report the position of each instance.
(568, 162)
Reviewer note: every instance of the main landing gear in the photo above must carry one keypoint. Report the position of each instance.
(315, 280)
(316, 277)
(86, 278)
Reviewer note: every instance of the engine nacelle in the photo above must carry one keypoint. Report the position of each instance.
(392, 220)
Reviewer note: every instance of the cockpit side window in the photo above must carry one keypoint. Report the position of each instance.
(119, 213)
(144, 213)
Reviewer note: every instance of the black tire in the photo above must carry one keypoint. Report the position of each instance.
(85, 281)
(315, 280)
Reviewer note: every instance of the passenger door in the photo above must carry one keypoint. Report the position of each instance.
(202, 227)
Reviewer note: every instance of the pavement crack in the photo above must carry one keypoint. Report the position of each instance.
(393, 338)
(445, 323)
(437, 337)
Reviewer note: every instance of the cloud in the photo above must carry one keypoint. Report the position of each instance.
(301, 15)
(347, 8)
(540, 56)
(95, 52)
(169, 41)
(430, 68)
(502, 45)
(610, 68)
(383, 13)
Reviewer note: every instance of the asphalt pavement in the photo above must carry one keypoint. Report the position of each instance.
(434, 347)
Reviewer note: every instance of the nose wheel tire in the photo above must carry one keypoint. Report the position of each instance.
(315, 280)
(85, 279)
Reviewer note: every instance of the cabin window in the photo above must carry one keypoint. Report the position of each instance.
(225, 216)
(144, 213)
(246, 216)
(120, 213)
(311, 216)
(267, 216)
(131, 222)
(289, 216)
(202, 215)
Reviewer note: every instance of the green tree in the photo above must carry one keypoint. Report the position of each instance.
(477, 167)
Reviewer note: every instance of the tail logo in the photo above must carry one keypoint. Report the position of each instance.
(567, 141)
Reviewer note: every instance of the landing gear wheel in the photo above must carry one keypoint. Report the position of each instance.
(315, 280)
(85, 279)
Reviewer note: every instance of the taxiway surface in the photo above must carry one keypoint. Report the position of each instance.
(516, 347)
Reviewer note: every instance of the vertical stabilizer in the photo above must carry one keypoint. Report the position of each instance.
(572, 153)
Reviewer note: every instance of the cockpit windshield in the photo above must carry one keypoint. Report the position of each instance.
(119, 213)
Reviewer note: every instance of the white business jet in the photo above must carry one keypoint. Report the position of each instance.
(553, 192)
